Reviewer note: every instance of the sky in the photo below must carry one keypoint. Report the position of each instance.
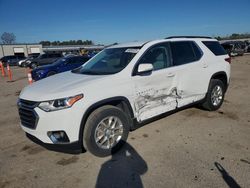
(110, 21)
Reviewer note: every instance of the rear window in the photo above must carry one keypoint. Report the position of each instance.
(184, 52)
(215, 47)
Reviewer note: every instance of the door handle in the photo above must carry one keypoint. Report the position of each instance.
(170, 75)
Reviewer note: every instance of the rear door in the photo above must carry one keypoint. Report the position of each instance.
(190, 70)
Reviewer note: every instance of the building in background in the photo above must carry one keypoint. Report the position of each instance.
(31, 49)
(73, 49)
(20, 49)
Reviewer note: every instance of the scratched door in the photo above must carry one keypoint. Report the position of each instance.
(155, 93)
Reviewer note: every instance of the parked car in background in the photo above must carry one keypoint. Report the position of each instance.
(234, 48)
(23, 62)
(247, 49)
(43, 59)
(11, 60)
(61, 65)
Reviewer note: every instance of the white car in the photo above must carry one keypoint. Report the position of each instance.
(96, 105)
(24, 62)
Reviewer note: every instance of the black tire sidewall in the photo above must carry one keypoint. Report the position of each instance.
(94, 119)
(212, 85)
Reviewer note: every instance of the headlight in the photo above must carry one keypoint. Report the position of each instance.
(59, 104)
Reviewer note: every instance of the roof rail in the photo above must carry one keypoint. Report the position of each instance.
(172, 37)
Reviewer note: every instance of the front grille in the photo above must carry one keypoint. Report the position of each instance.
(28, 104)
(28, 116)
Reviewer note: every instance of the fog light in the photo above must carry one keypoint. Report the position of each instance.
(58, 137)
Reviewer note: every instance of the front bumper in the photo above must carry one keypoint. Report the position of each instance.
(71, 148)
(38, 125)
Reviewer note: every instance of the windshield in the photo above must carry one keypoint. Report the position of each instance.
(109, 61)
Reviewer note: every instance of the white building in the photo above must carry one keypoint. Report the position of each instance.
(20, 49)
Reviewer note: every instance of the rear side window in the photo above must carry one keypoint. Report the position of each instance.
(184, 52)
(215, 47)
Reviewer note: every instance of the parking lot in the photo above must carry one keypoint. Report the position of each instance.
(191, 148)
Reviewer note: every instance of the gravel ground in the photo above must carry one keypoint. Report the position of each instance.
(191, 148)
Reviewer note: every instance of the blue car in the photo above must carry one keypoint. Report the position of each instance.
(61, 65)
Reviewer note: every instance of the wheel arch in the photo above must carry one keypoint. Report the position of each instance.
(119, 101)
(221, 75)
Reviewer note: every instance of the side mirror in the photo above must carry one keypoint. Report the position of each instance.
(145, 68)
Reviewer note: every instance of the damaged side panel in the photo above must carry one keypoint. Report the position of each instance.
(153, 102)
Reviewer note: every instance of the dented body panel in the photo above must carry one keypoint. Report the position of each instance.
(154, 94)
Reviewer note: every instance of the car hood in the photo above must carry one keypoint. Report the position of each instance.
(58, 86)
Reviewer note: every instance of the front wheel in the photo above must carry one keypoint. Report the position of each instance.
(215, 95)
(106, 130)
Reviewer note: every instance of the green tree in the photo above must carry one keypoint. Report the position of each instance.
(8, 38)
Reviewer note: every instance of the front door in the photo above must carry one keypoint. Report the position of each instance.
(155, 92)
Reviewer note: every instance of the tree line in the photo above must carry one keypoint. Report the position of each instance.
(69, 42)
(234, 36)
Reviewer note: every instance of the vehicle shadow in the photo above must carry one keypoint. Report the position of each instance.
(227, 178)
(122, 170)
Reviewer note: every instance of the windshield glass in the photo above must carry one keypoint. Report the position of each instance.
(109, 61)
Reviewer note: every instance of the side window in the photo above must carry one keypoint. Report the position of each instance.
(215, 47)
(184, 52)
(197, 51)
(158, 56)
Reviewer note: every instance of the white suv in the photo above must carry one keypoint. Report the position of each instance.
(96, 105)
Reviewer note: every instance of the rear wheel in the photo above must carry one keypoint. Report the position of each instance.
(106, 130)
(215, 95)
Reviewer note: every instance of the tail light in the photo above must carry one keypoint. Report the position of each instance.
(228, 60)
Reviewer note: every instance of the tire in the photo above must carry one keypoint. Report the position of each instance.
(215, 87)
(93, 124)
(51, 73)
(33, 65)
